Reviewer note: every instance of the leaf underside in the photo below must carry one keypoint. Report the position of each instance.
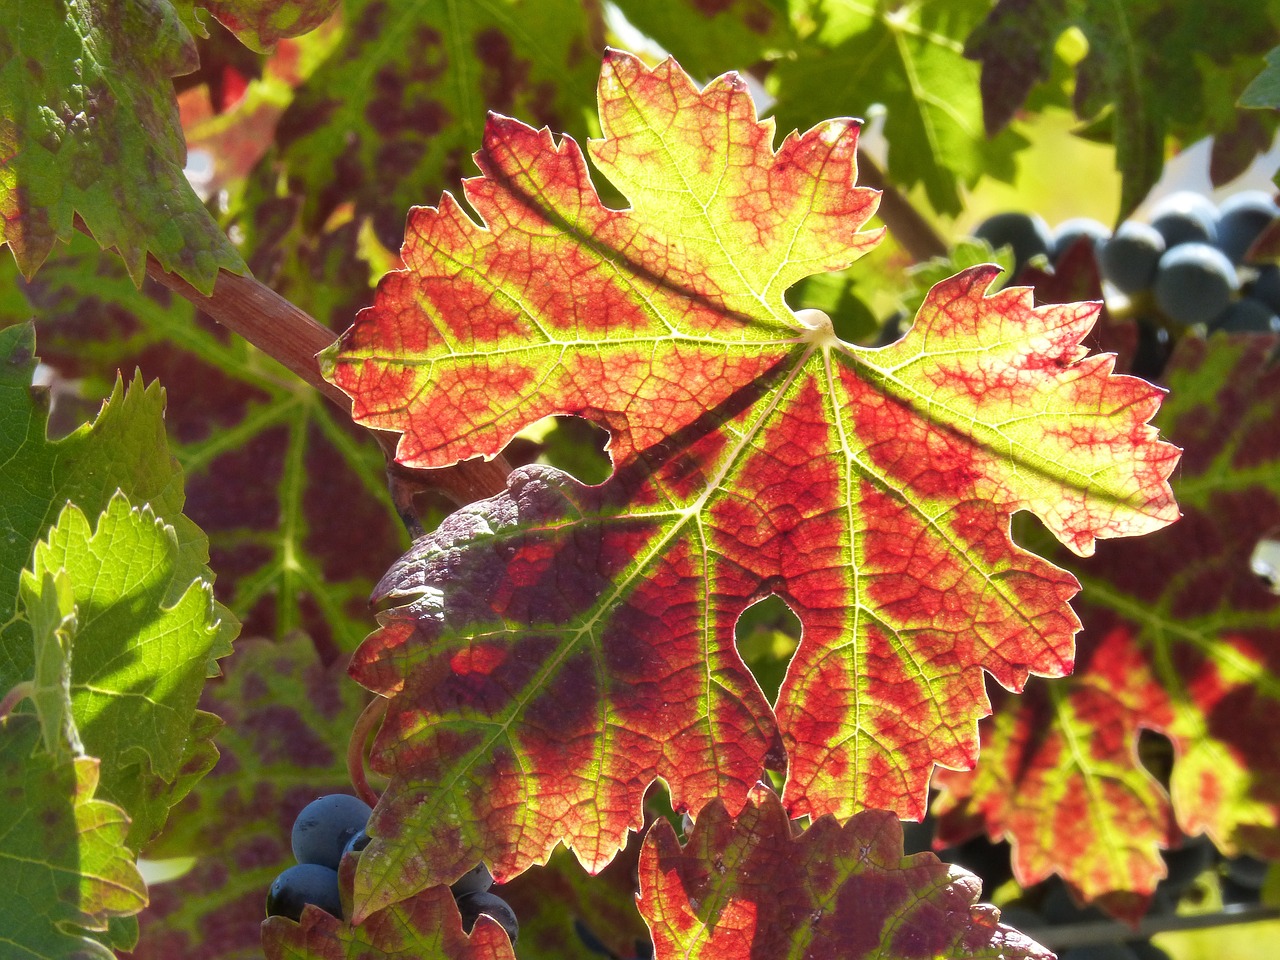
(565, 645)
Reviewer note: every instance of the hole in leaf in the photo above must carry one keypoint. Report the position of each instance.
(1155, 752)
(573, 445)
(1265, 562)
(767, 633)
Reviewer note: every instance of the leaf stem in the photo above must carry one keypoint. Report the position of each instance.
(15, 696)
(369, 718)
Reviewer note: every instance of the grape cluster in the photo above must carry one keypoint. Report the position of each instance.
(333, 826)
(1188, 267)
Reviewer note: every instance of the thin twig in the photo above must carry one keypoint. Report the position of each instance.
(904, 221)
(369, 718)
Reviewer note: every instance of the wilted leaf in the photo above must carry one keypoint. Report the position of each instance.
(90, 127)
(1180, 637)
(746, 887)
(140, 647)
(64, 865)
(287, 720)
(569, 644)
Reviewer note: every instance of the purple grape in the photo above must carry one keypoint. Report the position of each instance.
(302, 884)
(324, 827)
(1194, 283)
(1129, 258)
(1069, 232)
(476, 880)
(1242, 218)
(1026, 233)
(474, 904)
(1185, 217)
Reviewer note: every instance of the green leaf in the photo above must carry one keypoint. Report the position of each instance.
(139, 657)
(710, 38)
(91, 128)
(64, 865)
(1264, 91)
(50, 608)
(910, 59)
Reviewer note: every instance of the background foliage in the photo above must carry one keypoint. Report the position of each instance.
(304, 156)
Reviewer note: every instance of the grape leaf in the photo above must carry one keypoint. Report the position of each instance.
(63, 861)
(125, 450)
(426, 925)
(289, 492)
(90, 127)
(142, 641)
(910, 60)
(709, 36)
(401, 99)
(1153, 69)
(261, 25)
(1180, 637)
(1264, 91)
(50, 609)
(287, 719)
(569, 644)
(747, 887)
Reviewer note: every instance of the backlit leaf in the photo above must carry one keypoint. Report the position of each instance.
(140, 647)
(568, 644)
(64, 865)
(260, 23)
(89, 126)
(745, 887)
(1180, 637)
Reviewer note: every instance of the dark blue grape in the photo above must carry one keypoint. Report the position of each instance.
(1246, 315)
(357, 842)
(1241, 220)
(324, 827)
(1026, 233)
(1185, 217)
(1069, 232)
(1267, 286)
(476, 880)
(302, 884)
(1194, 283)
(474, 904)
(1129, 258)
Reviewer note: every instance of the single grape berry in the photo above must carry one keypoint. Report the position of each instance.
(1267, 286)
(1194, 283)
(324, 826)
(1246, 315)
(1185, 217)
(302, 884)
(1070, 232)
(1026, 233)
(476, 880)
(474, 904)
(357, 843)
(1241, 220)
(1129, 258)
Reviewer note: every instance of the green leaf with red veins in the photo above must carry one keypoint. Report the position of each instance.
(287, 719)
(570, 644)
(426, 925)
(63, 861)
(745, 887)
(401, 100)
(90, 127)
(1181, 637)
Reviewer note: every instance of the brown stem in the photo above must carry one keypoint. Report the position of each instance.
(904, 221)
(369, 718)
(278, 328)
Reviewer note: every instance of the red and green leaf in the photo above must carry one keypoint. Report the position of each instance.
(90, 129)
(569, 644)
(261, 25)
(746, 886)
(1180, 637)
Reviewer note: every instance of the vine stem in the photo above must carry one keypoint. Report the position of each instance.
(369, 719)
(15, 696)
(291, 336)
(907, 225)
